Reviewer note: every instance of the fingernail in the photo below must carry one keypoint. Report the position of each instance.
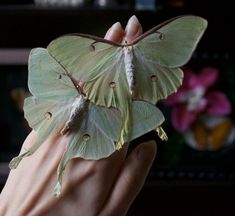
(116, 29)
(133, 26)
(116, 26)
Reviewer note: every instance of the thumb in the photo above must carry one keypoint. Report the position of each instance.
(131, 179)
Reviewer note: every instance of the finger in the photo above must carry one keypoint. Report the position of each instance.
(133, 30)
(33, 175)
(131, 179)
(86, 181)
(115, 33)
(30, 139)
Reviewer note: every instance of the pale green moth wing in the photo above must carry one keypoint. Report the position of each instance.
(84, 57)
(47, 79)
(48, 109)
(172, 43)
(160, 51)
(145, 117)
(46, 118)
(160, 81)
(47, 114)
(99, 63)
(94, 140)
(98, 131)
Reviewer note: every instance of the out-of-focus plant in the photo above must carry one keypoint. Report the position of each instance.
(201, 113)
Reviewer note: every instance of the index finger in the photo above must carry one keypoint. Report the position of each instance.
(115, 33)
(132, 30)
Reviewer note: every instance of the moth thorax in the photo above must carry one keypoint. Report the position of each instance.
(79, 108)
(129, 67)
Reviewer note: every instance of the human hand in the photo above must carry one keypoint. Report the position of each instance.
(103, 187)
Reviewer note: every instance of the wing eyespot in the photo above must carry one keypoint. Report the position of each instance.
(153, 78)
(112, 84)
(86, 137)
(48, 115)
(161, 35)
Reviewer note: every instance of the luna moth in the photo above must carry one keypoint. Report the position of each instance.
(58, 103)
(146, 68)
(54, 102)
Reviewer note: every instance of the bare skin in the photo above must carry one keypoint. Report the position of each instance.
(104, 187)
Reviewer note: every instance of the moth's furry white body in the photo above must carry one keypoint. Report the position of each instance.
(129, 67)
(78, 108)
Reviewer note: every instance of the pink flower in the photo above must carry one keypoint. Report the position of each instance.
(193, 98)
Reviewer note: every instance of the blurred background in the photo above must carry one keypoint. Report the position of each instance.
(194, 172)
